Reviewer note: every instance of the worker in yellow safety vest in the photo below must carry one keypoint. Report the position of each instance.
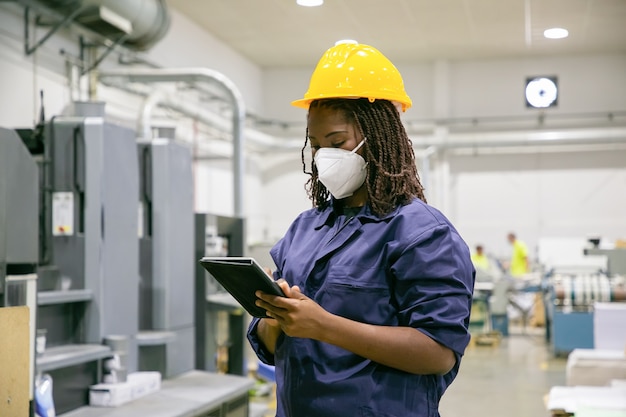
(519, 257)
(479, 259)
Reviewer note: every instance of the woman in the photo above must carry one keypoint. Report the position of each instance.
(378, 284)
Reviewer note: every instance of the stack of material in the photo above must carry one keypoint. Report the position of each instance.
(595, 367)
(596, 385)
(609, 331)
(583, 401)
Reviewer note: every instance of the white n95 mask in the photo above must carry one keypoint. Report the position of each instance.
(342, 172)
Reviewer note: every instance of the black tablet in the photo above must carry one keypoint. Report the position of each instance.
(242, 277)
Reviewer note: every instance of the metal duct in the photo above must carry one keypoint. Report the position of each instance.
(142, 23)
(192, 75)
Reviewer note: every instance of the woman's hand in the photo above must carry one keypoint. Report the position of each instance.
(296, 314)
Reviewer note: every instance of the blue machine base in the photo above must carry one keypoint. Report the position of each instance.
(571, 331)
(500, 323)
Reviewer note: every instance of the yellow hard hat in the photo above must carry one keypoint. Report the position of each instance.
(353, 70)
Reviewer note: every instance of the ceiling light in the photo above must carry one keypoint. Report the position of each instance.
(310, 3)
(555, 33)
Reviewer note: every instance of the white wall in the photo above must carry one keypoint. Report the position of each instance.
(565, 194)
(186, 45)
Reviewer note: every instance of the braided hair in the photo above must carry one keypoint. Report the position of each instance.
(392, 178)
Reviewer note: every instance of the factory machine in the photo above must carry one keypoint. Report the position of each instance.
(19, 234)
(220, 321)
(570, 309)
(97, 233)
(89, 274)
(166, 247)
(68, 221)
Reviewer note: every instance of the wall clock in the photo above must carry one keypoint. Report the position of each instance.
(541, 92)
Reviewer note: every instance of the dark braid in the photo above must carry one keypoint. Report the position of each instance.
(392, 178)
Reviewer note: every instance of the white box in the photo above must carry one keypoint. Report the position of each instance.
(594, 367)
(110, 395)
(144, 383)
(609, 330)
(137, 385)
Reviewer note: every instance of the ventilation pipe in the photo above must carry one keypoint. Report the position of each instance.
(159, 98)
(193, 75)
(140, 23)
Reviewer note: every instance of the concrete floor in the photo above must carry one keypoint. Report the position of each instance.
(511, 378)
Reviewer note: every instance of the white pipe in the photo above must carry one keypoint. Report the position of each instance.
(145, 121)
(192, 75)
(582, 136)
(172, 101)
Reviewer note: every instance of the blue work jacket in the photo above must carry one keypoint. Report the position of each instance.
(408, 268)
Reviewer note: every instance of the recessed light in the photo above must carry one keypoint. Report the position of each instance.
(310, 3)
(555, 33)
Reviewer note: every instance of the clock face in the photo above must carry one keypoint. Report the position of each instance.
(541, 92)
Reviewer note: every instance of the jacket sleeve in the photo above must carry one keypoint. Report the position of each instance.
(433, 285)
(255, 342)
(262, 353)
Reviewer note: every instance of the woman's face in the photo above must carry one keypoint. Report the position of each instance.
(328, 128)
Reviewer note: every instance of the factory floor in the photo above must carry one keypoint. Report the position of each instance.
(509, 377)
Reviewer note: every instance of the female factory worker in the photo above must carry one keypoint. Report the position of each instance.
(378, 284)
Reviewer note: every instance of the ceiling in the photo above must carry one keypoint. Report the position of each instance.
(279, 33)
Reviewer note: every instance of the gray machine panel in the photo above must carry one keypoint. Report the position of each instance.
(97, 163)
(169, 178)
(173, 220)
(19, 206)
(120, 225)
(167, 253)
(65, 173)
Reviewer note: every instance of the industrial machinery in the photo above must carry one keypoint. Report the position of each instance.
(616, 259)
(220, 320)
(19, 240)
(166, 311)
(97, 238)
(570, 308)
(88, 291)
(66, 219)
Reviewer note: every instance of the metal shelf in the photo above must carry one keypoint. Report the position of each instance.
(69, 355)
(155, 338)
(195, 393)
(223, 301)
(60, 297)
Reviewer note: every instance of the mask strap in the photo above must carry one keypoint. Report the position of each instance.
(359, 146)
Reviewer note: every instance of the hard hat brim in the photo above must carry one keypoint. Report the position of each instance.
(304, 103)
